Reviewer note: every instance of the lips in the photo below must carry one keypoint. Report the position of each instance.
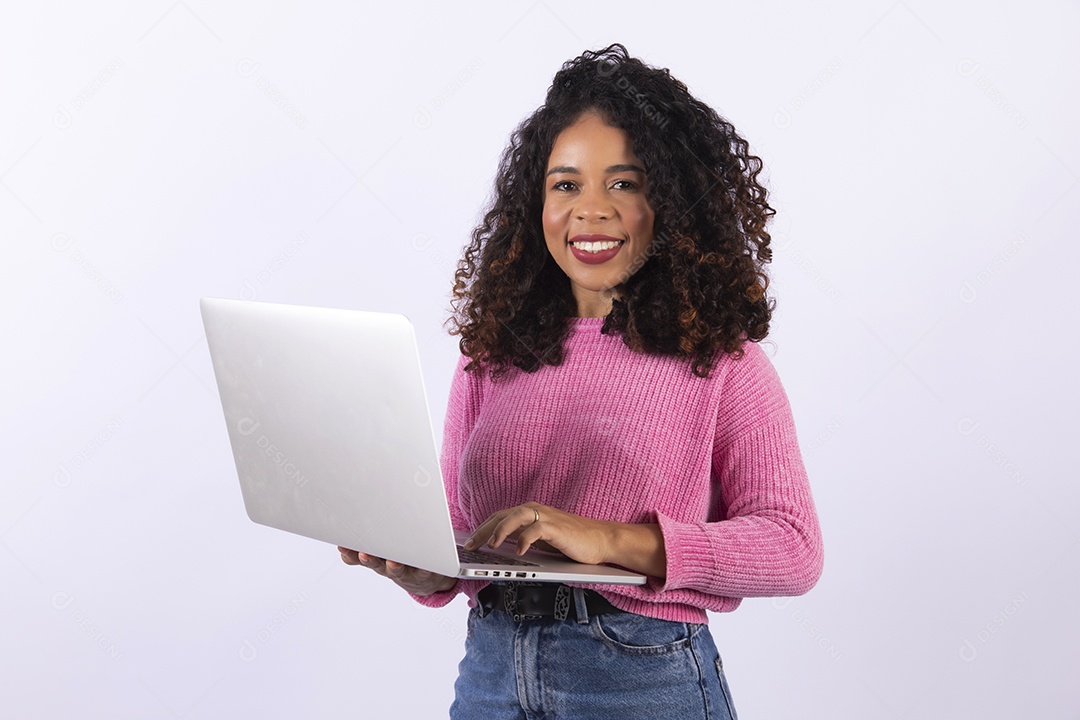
(595, 249)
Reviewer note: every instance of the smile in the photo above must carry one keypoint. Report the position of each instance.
(595, 249)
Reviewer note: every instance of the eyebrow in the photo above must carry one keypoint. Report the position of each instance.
(610, 169)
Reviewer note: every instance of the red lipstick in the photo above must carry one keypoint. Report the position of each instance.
(595, 249)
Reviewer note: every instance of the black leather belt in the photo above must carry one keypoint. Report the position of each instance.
(533, 601)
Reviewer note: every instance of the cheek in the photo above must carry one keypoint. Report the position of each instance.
(640, 220)
(551, 233)
(554, 220)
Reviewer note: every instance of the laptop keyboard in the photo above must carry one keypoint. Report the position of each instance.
(486, 558)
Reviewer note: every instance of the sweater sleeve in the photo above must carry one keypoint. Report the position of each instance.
(767, 541)
(462, 409)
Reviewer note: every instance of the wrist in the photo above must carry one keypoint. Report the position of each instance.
(638, 547)
(614, 541)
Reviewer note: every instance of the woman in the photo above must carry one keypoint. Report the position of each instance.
(611, 403)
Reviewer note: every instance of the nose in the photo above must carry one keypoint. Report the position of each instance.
(593, 204)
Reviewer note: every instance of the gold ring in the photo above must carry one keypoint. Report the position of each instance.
(537, 514)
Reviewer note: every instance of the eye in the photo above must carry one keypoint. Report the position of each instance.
(624, 185)
(563, 186)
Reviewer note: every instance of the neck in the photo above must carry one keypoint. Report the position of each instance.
(594, 303)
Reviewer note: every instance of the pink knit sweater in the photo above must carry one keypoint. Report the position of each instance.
(620, 435)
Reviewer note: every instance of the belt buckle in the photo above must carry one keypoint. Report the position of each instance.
(510, 604)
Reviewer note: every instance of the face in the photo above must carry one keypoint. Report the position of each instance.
(598, 224)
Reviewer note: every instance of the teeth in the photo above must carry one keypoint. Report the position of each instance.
(595, 247)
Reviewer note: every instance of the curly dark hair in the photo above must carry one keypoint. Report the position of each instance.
(701, 288)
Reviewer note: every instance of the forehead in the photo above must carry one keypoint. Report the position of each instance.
(589, 139)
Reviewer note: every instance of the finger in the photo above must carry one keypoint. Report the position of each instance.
(483, 533)
(529, 535)
(349, 557)
(518, 521)
(416, 578)
(374, 563)
(510, 526)
(406, 576)
(395, 570)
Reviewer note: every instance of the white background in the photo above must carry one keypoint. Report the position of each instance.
(924, 162)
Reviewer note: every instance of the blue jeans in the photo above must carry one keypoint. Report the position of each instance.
(616, 665)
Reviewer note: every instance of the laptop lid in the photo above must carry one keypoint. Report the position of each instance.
(332, 438)
(329, 426)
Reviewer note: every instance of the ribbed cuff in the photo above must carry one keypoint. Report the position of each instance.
(439, 599)
(690, 556)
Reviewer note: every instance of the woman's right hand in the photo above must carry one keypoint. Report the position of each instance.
(411, 579)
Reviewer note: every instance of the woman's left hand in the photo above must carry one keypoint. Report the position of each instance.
(579, 538)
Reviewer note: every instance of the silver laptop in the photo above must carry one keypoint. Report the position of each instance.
(332, 439)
